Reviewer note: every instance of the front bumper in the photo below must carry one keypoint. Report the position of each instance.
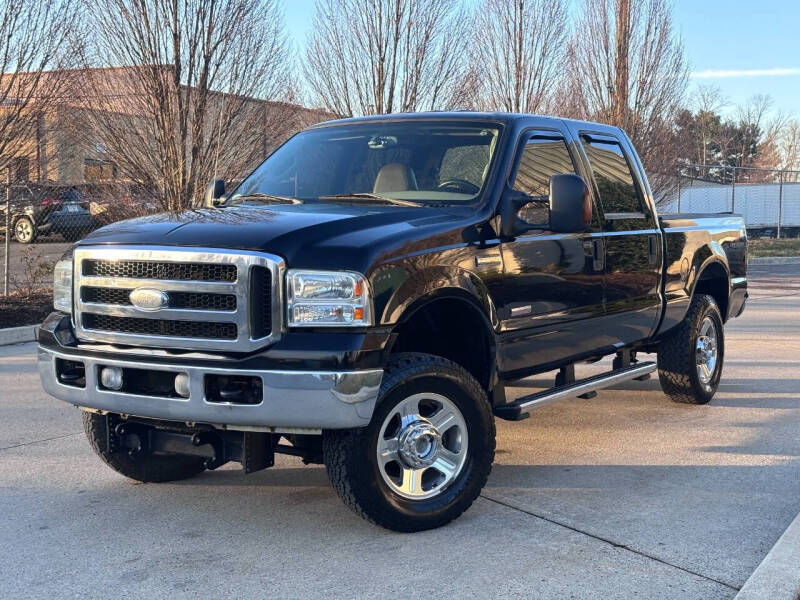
(292, 399)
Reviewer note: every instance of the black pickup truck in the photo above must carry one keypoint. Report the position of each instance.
(366, 295)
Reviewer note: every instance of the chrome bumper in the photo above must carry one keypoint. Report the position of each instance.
(291, 399)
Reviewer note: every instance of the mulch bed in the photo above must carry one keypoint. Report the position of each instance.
(16, 309)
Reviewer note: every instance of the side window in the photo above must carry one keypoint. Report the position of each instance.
(612, 173)
(541, 159)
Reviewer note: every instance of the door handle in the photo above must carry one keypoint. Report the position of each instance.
(597, 254)
(487, 261)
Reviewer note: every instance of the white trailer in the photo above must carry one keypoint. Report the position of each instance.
(764, 206)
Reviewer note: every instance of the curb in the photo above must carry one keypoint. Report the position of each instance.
(778, 575)
(775, 260)
(19, 335)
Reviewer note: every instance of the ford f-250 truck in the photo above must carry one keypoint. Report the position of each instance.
(365, 296)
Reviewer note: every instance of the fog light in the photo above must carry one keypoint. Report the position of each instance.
(182, 385)
(111, 378)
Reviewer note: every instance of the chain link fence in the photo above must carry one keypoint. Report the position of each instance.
(39, 223)
(768, 199)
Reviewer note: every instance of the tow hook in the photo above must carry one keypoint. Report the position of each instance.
(205, 438)
(255, 450)
(137, 439)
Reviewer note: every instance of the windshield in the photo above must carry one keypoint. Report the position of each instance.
(409, 164)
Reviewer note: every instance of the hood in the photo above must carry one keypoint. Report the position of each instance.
(310, 235)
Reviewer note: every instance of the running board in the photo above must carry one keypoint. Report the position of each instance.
(519, 409)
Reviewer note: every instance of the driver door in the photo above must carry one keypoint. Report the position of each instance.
(553, 292)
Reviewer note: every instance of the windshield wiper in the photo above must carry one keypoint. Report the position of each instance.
(367, 197)
(271, 198)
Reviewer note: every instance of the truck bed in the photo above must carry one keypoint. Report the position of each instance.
(692, 243)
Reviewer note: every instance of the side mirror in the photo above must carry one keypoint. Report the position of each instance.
(570, 204)
(214, 191)
(511, 225)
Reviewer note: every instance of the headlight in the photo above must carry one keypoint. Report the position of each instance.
(328, 298)
(62, 285)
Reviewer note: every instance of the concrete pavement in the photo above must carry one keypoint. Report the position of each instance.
(778, 575)
(627, 495)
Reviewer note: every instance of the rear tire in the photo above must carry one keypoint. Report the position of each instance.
(416, 468)
(690, 359)
(150, 468)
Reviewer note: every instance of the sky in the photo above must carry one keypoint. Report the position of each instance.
(744, 47)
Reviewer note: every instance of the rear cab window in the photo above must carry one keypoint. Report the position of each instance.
(619, 193)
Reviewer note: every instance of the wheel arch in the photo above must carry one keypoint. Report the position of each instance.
(714, 279)
(444, 323)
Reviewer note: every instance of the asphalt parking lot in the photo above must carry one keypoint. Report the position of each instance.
(627, 495)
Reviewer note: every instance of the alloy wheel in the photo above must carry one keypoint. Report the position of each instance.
(422, 446)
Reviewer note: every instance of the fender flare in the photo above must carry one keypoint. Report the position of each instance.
(437, 282)
(711, 262)
(475, 306)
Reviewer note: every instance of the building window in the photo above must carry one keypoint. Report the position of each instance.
(99, 170)
(20, 169)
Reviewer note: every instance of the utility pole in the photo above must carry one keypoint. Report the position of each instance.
(620, 107)
(780, 205)
(8, 230)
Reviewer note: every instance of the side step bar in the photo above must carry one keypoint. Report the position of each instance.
(519, 409)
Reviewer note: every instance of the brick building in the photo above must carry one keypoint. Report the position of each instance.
(60, 144)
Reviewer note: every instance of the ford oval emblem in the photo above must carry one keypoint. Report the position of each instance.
(149, 299)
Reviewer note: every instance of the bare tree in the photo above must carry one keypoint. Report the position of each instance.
(384, 56)
(632, 72)
(33, 41)
(708, 101)
(185, 102)
(519, 53)
(760, 127)
(790, 146)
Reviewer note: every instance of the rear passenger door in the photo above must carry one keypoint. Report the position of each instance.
(631, 235)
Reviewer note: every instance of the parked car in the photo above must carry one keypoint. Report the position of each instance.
(44, 210)
(117, 202)
(364, 298)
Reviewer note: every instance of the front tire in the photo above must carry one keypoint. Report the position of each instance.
(690, 358)
(150, 468)
(25, 231)
(427, 452)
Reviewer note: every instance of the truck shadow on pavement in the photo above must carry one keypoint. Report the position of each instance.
(282, 476)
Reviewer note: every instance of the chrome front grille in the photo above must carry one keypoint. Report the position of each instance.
(195, 300)
(160, 327)
(208, 299)
(142, 269)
